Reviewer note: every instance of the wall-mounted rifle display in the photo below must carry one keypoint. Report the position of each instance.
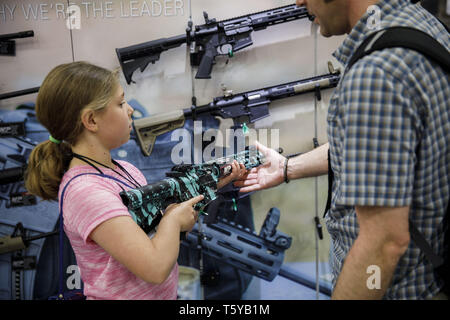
(209, 40)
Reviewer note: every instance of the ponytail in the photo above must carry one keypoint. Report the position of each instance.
(46, 166)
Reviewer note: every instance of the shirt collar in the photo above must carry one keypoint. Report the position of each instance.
(362, 29)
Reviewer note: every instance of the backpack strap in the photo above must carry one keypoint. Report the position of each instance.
(61, 225)
(423, 244)
(330, 185)
(404, 37)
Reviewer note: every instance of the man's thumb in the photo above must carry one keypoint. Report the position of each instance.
(261, 148)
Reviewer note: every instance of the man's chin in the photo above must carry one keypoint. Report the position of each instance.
(325, 33)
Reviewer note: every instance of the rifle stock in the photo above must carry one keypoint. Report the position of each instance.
(149, 128)
(140, 55)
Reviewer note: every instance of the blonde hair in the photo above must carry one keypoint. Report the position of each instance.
(66, 91)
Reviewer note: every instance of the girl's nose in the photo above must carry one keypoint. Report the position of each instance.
(130, 109)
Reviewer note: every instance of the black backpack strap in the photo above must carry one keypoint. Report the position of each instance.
(423, 244)
(330, 185)
(404, 37)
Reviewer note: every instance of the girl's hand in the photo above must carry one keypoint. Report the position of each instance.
(237, 171)
(184, 213)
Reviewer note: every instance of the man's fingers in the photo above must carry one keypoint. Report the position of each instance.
(248, 176)
(245, 183)
(264, 150)
(254, 187)
(253, 170)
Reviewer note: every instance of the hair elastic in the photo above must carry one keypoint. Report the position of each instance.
(53, 139)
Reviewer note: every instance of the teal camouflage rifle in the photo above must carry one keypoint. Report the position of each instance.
(184, 182)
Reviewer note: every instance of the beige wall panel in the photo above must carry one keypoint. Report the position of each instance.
(34, 56)
(107, 25)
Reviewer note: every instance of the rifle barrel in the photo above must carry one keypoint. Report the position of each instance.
(150, 47)
(271, 93)
(23, 34)
(18, 93)
(304, 280)
(280, 15)
(272, 16)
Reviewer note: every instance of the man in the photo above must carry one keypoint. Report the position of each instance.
(389, 142)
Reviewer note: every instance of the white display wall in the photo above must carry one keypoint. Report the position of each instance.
(282, 53)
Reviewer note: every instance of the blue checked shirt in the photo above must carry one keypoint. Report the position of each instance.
(389, 135)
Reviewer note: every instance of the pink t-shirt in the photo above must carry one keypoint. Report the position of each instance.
(90, 200)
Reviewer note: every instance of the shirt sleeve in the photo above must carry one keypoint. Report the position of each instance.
(89, 203)
(379, 139)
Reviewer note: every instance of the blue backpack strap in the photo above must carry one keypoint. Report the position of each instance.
(61, 225)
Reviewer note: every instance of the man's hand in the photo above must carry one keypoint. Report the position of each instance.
(268, 175)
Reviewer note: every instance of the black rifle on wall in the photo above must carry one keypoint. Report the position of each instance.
(209, 40)
(243, 108)
(7, 43)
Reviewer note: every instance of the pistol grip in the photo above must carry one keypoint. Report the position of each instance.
(206, 64)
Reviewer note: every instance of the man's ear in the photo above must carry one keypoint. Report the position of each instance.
(89, 120)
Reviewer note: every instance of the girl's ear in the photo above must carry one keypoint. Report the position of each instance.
(88, 120)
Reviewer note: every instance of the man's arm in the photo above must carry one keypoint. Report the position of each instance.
(383, 238)
(271, 174)
(311, 164)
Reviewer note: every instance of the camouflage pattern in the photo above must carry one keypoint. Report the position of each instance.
(184, 182)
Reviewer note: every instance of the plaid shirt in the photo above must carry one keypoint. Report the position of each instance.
(389, 134)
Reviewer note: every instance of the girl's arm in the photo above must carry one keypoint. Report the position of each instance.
(149, 259)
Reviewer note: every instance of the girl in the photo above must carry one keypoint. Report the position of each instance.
(84, 109)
